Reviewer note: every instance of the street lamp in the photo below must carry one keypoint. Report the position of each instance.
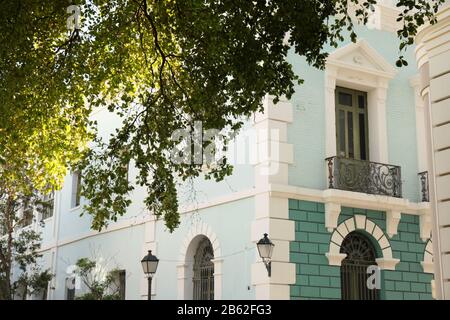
(265, 249)
(149, 264)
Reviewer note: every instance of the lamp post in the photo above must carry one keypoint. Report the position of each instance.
(265, 249)
(149, 265)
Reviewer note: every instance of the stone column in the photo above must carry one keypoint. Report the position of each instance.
(274, 155)
(433, 57)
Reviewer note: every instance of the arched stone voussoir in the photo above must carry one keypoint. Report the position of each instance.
(360, 222)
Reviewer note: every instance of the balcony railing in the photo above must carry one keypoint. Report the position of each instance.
(364, 176)
(425, 191)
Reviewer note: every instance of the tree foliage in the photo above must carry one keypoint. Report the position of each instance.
(43, 124)
(20, 272)
(33, 282)
(160, 65)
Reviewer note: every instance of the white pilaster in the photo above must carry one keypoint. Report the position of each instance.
(422, 158)
(378, 145)
(218, 266)
(183, 280)
(272, 213)
(433, 56)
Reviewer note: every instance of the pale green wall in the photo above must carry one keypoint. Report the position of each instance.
(231, 222)
(119, 249)
(307, 132)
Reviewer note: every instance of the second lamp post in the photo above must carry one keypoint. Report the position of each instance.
(149, 264)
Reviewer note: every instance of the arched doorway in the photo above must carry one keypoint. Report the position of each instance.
(360, 255)
(203, 280)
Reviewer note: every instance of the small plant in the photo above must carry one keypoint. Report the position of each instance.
(34, 282)
(101, 285)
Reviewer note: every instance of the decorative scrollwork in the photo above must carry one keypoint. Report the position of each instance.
(364, 176)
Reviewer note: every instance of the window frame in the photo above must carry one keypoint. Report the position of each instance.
(75, 201)
(46, 199)
(356, 111)
(27, 210)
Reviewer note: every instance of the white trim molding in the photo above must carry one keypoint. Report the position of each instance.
(200, 229)
(425, 221)
(358, 66)
(421, 134)
(392, 220)
(350, 199)
(360, 222)
(427, 263)
(185, 270)
(332, 212)
(361, 57)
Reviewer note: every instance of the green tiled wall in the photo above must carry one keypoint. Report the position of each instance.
(318, 280)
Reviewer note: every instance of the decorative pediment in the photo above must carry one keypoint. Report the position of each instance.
(360, 56)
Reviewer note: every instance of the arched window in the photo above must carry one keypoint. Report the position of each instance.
(204, 271)
(360, 255)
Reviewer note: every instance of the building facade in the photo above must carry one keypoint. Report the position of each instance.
(337, 176)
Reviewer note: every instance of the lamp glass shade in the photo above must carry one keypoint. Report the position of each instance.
(149, 263)
(265, 247)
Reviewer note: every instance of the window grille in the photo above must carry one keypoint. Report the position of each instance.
(204, 271)
(360, 255)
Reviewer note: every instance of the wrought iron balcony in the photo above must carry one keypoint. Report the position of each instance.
(425, 191)
(364, 176)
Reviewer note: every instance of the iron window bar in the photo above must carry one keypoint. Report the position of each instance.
(425, 186)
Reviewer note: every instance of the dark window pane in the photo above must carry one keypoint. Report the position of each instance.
(27, 218)
(48, 205)
(78, 196)
(351, 153)
(76, 189)
(362, 136)
(361, 102)
(122, 284)
(345, 99)
(341, 131)
(70, 288)
(70, 294)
